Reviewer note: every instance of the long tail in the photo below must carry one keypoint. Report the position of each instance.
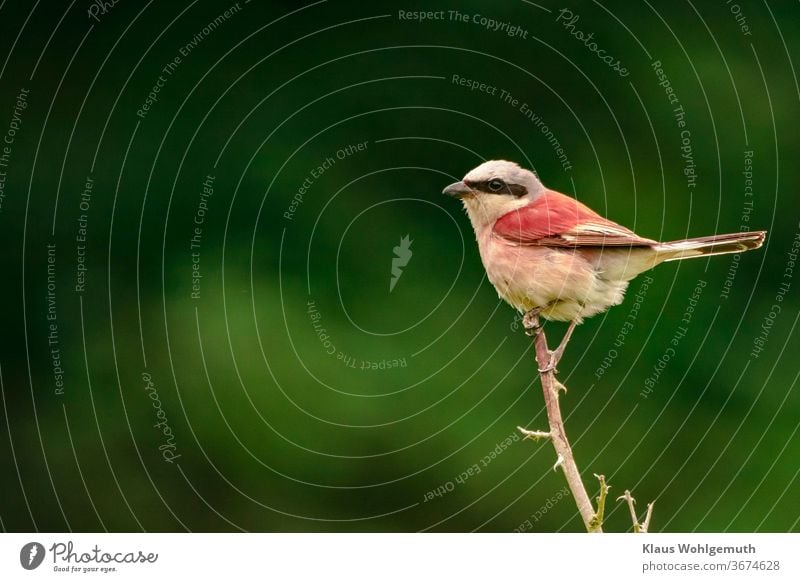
(719, 244)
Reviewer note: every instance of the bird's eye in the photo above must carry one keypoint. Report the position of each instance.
(496, 185)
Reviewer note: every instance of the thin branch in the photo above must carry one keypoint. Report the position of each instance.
(597, 520)
(646, 525)
(631, 502)
(637, 527)
(551, 387)
(558, 436)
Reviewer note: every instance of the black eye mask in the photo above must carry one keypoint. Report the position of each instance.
(498, 186)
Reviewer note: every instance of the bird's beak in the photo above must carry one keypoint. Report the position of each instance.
(457, 190)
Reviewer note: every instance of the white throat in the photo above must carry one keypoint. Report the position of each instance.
(484, 210)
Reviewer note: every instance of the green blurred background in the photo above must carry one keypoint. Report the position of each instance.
(299, 393)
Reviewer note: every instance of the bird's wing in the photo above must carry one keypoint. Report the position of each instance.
(556, 220)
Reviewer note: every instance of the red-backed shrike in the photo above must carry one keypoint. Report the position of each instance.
(547, 254)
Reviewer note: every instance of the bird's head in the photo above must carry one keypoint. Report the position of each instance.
(494, 189)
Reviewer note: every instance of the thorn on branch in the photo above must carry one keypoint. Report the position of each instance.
(533, 435)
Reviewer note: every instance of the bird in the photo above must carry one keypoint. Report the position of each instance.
(549, 255)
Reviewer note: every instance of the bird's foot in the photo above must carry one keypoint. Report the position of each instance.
(530, 322)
